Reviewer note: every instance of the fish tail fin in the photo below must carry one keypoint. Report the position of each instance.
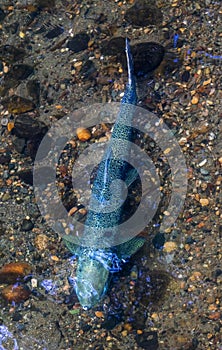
(130, 96)
(129, 63)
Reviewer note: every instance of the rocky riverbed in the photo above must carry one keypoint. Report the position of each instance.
(57, 57)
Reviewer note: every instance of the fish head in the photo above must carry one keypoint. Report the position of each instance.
(91, 281)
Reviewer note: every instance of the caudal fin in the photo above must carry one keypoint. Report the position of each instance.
(129, 63)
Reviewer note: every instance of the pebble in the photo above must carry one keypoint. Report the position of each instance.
(10, 273)
(204, 202)
(147, 56)
(17, 104)
(143, 13)
(196, 276)
(27, 225)
(169, 246)
(99, 314)
(28, 127)
(195, 100)
(11, 54)
(148, 340)
(79, 42)
(15, 293)
(41, 241)
(83, 134)
(204, 172)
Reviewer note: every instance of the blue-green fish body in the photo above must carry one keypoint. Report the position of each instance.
(95, 264)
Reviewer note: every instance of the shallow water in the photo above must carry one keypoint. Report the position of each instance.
(168, 295)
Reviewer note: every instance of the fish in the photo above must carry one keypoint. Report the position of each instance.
(96, 263)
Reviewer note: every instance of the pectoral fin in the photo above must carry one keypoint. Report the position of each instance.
(125, 250)
(73, 247)
(132, 175)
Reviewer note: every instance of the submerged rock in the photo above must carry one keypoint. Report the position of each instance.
(17, 104)
(79, 42)
(11, 54)
(114, 46)
(27, 127)
(148, 340)
(143, 13)
(147, 57)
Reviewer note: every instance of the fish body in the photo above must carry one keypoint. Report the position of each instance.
(106, 208)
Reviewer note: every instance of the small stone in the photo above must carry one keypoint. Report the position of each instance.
(148, 340)
(41, 241)
(2, 15)
(5, 158)
(79, 42)
(83, 134)
(6, 196)
(124, 333)
(15, 293)
(196, 276)
(54, 258)
(169, 246)
(10, 54)
(19, 72)
(34, 283)
(215, 316)
(204, 172)
(195, 100)
(12, 272)
(143, 13)
(204, 202)
(17, 104)
(128, 327)
(72, 211)
(185, 76)
(99, 314)
(10, 126)
(27, 225)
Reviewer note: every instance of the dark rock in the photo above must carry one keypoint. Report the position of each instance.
(19, 72)
(41, 4)
(17, 316)
(27, 225)
(33, 88)
(2, 15)
(79, 42)
(143, 13)
(19, 144)
(159, 240)
(5, 158)
(190, 240)
(151, 286)
(148, 340)
(112, 320)
(185, 76)
(53, 33)
(28, 128)
(195, 343)
(87, 70)
(114, 46)
(13, 28)
(11, 54)
(17, 104)
(26, 176)
(146, 56)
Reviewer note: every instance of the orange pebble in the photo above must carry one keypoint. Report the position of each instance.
(16, 293)
(83, 134)
(99, 314)
(11, 272)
